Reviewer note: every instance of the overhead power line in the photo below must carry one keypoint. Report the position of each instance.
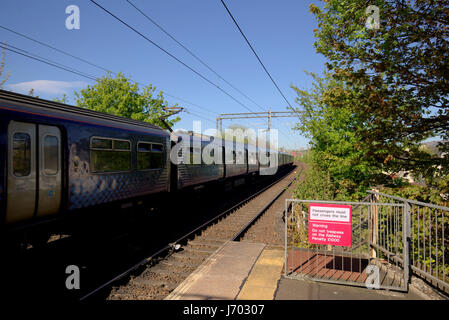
(49, 62)
(191, 103)
(169, 54)
(193, 54)
(69, 69)
(53, 48)
(257, 56)
(35, 57)
(53, 63)
(44, 60)
(197, 115)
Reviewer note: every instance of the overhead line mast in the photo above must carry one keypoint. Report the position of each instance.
(252, 115)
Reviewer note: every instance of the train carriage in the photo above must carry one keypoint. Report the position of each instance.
(253, 162)
(57, 158)
(192, 169)
(236, 159)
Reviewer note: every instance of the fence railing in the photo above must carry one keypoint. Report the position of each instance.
(426, 232)
(376, 235)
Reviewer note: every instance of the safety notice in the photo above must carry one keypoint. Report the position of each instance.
(330, 224)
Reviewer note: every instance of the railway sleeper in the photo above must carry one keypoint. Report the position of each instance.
(188, 256)
(226, 232)
(209, 242)
(173, 266)
(166, 275)
(200, 251)
(172, 263)
(166, 285)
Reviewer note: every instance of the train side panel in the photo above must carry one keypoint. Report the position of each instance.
(236, 160)
(90, 186)
(3, 140)
(194, 174)
(253, 164)
(42, 144)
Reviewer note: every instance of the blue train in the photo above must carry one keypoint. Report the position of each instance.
(57, 159)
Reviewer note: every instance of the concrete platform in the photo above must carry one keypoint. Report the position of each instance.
(262, 282)
(221, 275)
(292, 289)
(253, 271)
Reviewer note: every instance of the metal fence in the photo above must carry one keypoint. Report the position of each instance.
(363, 262)
(427, 237)
(390, 235)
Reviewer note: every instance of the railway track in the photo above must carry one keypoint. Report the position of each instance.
(156, 276)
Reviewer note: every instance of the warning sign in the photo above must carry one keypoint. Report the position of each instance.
(330, 224)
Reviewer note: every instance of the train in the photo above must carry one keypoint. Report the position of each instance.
(58, 159)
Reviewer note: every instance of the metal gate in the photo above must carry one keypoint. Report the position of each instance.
(374, 243)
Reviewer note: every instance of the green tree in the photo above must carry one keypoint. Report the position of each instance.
(64, 99)
(401, 70)
(121, 97)
(2, 68)
(333, 128)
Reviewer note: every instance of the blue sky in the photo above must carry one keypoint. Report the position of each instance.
(280, 31)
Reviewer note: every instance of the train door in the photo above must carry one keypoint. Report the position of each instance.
(34, 171)
(246, 160)
(21, 189)
(223, 158)
(49, 171)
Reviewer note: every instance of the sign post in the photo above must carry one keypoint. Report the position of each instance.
(330, 224)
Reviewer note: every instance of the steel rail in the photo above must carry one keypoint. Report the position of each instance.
(240, 233)
(189, 234)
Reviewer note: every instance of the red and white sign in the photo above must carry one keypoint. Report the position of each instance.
(330, 224)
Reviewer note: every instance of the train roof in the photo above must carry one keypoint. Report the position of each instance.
(72, 112)
(179, 134)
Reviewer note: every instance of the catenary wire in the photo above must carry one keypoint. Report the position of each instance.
(257, 56)
(90, 63)
(170, 55)
(193, 54)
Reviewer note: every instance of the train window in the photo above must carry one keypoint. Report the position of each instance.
(121, 145)
(191, 155)
(157, 148)
(144, 147)
(101, 143)
(150, 156)
(195, 155)
(143, 156)
(51, 156)
(109, 155)
(157, 156)
(21, 154)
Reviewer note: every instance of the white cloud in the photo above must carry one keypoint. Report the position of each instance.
(50, 87)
